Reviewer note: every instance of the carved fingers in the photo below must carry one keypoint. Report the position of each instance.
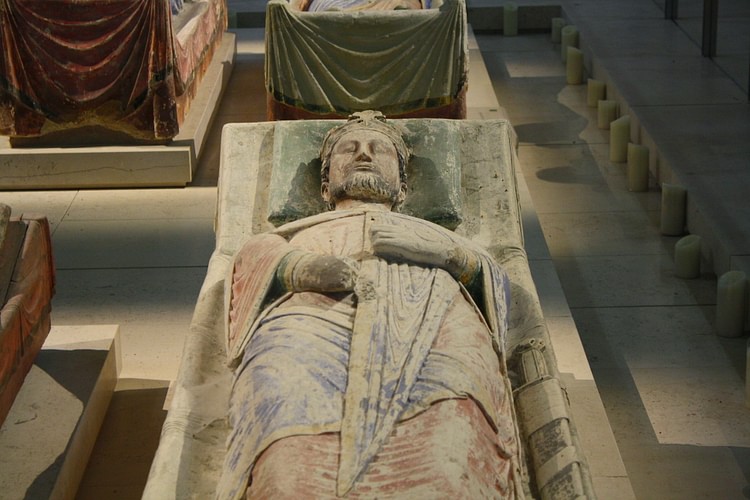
(397, 243)
(323, 273)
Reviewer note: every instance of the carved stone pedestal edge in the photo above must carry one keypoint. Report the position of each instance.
(124, 166)
(47, 438)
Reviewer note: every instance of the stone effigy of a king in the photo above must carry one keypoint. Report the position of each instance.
(368, 346)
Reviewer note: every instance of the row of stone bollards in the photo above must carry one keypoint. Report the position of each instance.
(732, 286)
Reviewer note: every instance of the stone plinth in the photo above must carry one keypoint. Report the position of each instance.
(51, 429)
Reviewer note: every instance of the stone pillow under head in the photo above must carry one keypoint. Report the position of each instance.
(433, 174)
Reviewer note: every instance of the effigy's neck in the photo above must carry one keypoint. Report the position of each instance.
(362, 205)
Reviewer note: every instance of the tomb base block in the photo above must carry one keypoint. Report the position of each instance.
(27, 284)
(48, 435)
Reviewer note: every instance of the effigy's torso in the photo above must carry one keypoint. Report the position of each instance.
(423, 336)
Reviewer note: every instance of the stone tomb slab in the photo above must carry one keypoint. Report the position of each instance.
(486, 212)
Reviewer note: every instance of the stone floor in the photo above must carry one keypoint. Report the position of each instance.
(673, 391)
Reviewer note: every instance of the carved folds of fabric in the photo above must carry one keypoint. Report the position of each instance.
(339, 62)
(405, 319)
(110, 63)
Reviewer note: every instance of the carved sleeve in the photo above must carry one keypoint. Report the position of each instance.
(301, 271)
(463, 265)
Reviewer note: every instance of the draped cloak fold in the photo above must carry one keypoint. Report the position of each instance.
(361, 361)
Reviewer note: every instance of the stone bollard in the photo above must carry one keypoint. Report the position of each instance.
(596, 91)
(510, 19)
(568, 38)
(731, 303)
(557, 25)
(606, 113)
(619, 137)
(637, 157)
(673, 207)
(687, 257)
(574, 66)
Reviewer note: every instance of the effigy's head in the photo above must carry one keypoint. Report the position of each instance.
(364, 159)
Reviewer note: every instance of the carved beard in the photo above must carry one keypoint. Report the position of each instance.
(365, 186)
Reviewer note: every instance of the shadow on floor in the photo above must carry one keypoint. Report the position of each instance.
(121, 459)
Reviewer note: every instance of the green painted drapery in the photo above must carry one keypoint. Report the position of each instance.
(339, 62)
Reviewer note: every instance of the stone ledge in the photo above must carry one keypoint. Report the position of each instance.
(53, 424)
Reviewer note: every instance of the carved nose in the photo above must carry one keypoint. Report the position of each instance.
(363, 155)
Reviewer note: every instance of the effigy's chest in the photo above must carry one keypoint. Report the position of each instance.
(347, 236)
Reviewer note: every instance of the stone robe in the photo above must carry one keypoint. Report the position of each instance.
(361, 364)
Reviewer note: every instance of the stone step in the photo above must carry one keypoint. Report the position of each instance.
(48, 435)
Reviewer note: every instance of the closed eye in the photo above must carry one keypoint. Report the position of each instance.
(380, 147)
(346, 147)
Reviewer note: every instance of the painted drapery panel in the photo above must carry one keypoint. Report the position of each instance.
(108, 63)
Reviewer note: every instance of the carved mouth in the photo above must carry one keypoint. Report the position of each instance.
(363, 166)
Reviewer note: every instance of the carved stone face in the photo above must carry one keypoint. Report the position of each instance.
(364, 166)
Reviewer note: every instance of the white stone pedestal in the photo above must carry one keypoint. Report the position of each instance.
(46, 440)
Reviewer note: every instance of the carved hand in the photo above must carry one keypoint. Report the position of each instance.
(319, 273)
(399, 244)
